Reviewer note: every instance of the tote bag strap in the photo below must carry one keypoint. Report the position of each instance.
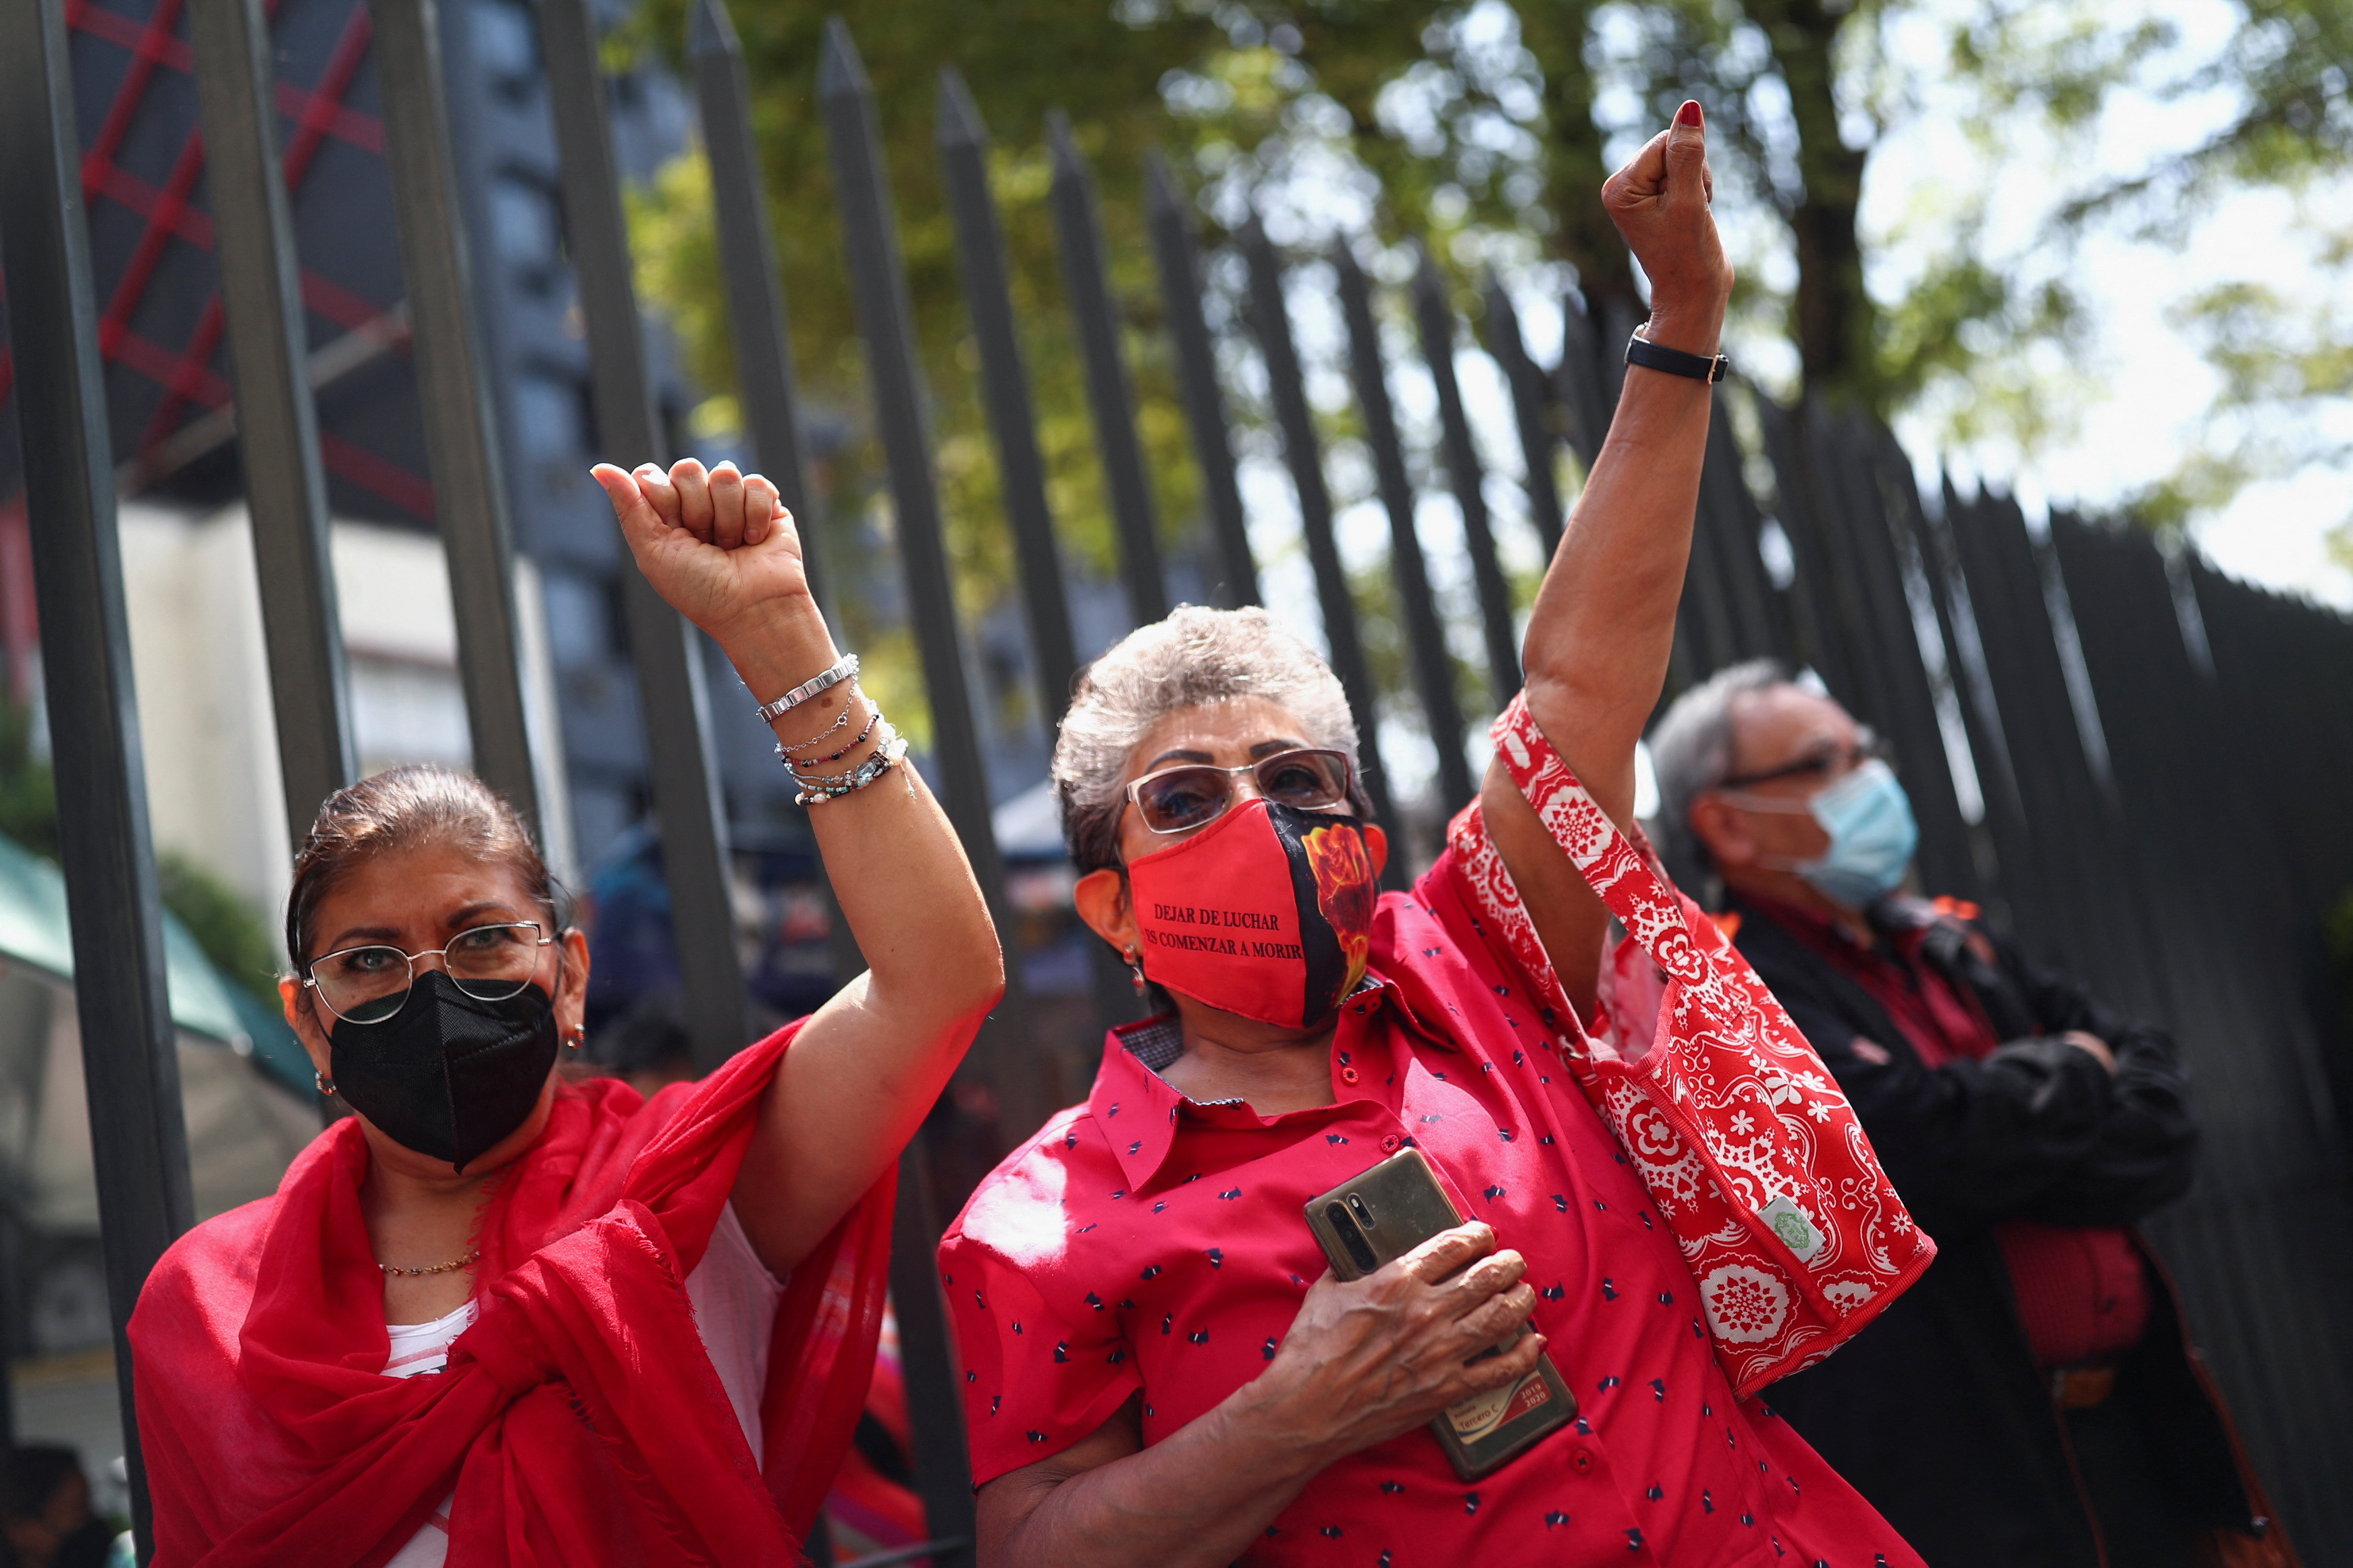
(1608, 860)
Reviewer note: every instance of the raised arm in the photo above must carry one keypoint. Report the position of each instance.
(866, 1068)
(1597, 642)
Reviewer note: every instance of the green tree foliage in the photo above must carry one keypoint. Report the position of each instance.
(1488, 126)
(230, 931)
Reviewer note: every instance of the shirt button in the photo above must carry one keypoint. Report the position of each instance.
(1347, 1075)
(1581, 1461)
(1390, 1141)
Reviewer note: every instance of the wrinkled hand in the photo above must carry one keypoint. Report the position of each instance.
(717, 544)
(1368, 1360)
(1660, 202)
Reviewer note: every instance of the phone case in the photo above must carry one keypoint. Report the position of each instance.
(1385, 1214)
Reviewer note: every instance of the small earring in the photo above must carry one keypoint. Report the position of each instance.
(575, 1039)
(326, 1085)
(1135, 971)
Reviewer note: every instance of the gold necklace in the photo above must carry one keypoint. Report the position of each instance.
(472, 1255)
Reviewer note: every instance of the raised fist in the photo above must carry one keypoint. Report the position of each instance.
(716, 544)
(1660, 202)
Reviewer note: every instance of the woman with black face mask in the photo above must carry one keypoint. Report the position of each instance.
(647, 1326)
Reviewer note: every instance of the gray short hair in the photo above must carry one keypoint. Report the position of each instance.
(1691, 751)
(1194, 658)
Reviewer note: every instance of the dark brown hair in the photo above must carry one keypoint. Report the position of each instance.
(403, 809)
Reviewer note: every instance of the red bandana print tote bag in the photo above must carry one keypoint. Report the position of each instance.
(1756, 1162)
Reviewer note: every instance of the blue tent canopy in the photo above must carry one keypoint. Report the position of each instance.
(35, 931)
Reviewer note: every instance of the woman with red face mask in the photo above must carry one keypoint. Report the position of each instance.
(1159, 1366)
(496, 1317)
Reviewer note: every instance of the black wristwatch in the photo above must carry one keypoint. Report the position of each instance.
(1641, 351)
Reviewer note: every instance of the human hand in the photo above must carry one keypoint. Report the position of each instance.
(1381, 1355)
(721, 549)
(1660, 202)
(2084, 1041)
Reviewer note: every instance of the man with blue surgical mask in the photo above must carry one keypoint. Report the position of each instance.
(2033, 1401)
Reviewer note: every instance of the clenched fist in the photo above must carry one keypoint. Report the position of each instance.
(1660, 202)
(721, 548)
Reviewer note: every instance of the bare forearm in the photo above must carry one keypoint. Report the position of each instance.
(868, 1066)
(898, 872)
(1198, 1499)
(1603, 626)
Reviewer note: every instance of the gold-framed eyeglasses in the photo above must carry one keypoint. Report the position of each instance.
(1194, 795)
(370, 984)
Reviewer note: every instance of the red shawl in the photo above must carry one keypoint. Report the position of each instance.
(578, 1419)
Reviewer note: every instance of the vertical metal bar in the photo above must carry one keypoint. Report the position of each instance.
(1270, 324)
(1005, 382)
(1078, 235)
(927, 1362)
(1909, 709)
(1532, 409)
(1577, 380)
(1436, 315)
(671, 701)
(1169, 217)
(276, 427)
(757, 326)
(1013, 423)
(139, 1145)
(1433, 664)
(1813, 606)
(453, 387)
(1725, 497)
(886, 321)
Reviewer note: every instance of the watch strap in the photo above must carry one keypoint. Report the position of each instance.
(1641, 351)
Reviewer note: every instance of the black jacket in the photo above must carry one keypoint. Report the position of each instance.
(1936, 1413)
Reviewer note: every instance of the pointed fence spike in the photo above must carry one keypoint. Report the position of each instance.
(1433, 664)
(959, 122)
(765, 387)
(1013, 428)
(667, 654)
(1005, 382)
(1169, 217)
(709, 30)
(1435, 312)
(1531, 408)
(1094, 311)
(885, 318)
(840, 72)
(1302, 454)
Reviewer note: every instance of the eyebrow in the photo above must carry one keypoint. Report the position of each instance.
(479, 907)
(456, 922)
(1179, 754)
(343, 939)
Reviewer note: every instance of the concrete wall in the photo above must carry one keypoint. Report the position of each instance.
(204, 715)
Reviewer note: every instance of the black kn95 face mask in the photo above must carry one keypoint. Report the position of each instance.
(448, 1075)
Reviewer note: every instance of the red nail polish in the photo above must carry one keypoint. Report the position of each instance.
(1689, 114)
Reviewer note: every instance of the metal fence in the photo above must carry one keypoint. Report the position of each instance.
(2152, 799)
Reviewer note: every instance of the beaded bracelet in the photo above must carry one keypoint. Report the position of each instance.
(794, 766)
(819, 781)
(858, 777)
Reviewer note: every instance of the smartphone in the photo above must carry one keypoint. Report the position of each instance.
(1385, 1214)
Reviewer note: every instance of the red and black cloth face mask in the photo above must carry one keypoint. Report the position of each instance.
(1267, 912)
